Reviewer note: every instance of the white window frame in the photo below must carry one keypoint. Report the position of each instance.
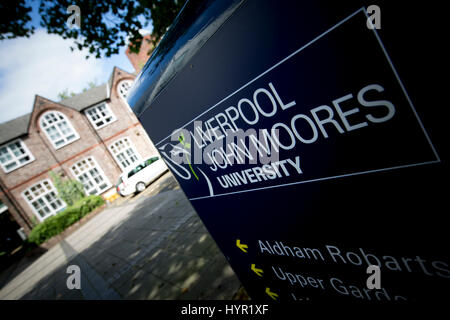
(121, 84)
(14, 158)
(63, 136)
(90, 166)
(126, 141)
(42, 197)
(96, 109)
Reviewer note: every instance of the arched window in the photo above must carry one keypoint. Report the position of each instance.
(123, 87)
(58, 129)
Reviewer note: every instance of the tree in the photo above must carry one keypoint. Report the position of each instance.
(18, 19)
(105, 25)
(69, 190)
(66, 94)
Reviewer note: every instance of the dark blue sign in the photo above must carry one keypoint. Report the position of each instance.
(295, 138)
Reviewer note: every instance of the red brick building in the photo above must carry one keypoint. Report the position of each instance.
(92, 137)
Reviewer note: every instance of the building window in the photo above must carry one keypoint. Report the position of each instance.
(43, 199)
(100, 115)
(123, 87)
(58, 129)
(14, 155)
(91, 176)
(125, 153)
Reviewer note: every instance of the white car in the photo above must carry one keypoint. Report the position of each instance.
(137, 179)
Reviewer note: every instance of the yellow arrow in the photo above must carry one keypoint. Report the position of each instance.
(256, 270)
(241, 245)
(271, 294)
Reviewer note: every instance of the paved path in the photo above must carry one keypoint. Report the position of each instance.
(150, 246)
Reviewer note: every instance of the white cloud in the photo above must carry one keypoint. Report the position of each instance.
(42, 64)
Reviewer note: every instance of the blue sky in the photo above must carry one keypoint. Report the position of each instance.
(43, 64)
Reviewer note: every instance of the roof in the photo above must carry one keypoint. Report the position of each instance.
(88, 98)
(19, 126)
(92, 96)
(14, 128)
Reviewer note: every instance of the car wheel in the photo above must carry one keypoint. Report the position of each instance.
(140, 186)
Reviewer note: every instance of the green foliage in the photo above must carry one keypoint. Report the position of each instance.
(58, 223)
(69, 190)
(90, 85)
(105, 25)
(65, 94)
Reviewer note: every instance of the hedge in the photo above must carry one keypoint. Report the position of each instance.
(59, 222)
